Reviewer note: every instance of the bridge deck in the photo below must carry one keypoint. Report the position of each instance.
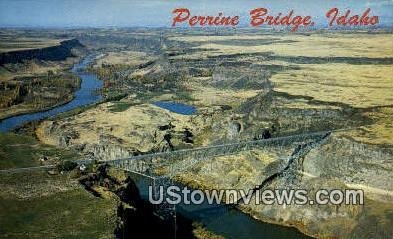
(143, 164)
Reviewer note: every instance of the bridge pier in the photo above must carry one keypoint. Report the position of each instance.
(164, 210)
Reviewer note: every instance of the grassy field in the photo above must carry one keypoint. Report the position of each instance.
(18, 151)
(378, 133)
(18, 44)
(36, 205)
(314, 45)
(354, 85)
(130, 58)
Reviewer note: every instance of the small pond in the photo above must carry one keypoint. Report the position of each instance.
(175, 107)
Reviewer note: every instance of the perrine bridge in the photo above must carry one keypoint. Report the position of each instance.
(161, 168)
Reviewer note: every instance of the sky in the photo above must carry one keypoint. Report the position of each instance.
(157, 13)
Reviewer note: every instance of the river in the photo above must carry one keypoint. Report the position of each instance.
(86, 95)
(225, 220)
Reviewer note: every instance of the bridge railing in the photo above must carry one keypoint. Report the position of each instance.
(175, 160)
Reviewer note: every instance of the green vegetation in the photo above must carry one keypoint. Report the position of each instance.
(36, 205)
(201, 233)
(27, 94)
(17, 151)
(114, 95)
(185, 96)
(76, 111)
(67, 166)
(120, 106)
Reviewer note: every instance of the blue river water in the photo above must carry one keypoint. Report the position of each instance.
(223, 220)
(87, 94)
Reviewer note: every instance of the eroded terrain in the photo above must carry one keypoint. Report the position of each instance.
(34, 71)
(248, 86)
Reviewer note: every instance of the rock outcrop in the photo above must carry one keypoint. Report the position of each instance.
(52, 53)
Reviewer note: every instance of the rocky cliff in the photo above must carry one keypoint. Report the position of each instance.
(52, 53)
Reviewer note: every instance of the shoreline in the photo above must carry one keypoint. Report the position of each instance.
(39, 110)
(32, 111)
(46, 111)
(275, 222)
(247, 211)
